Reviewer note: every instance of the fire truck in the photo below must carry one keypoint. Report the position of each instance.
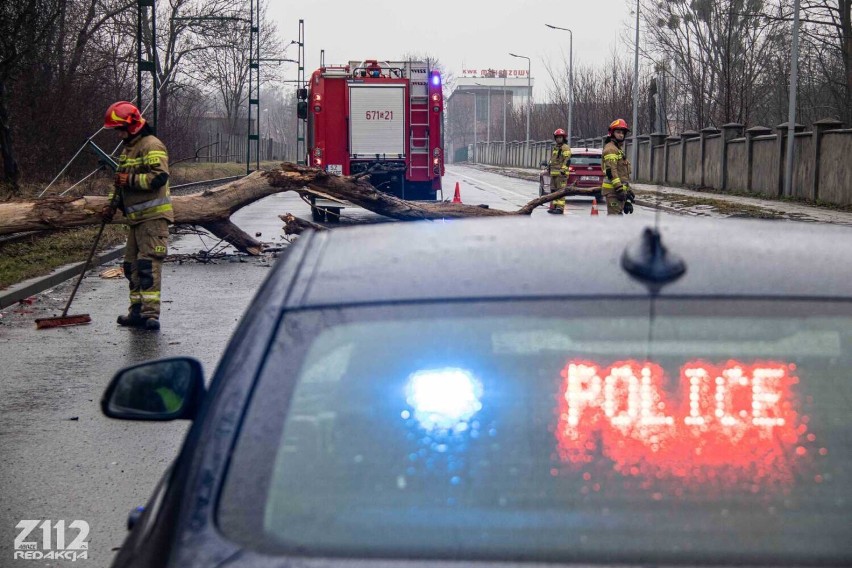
(381, 117)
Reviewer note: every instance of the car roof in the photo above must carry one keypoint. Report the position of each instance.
(587, 151)
(567, 256)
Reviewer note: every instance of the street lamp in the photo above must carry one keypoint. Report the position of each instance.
(634, 150)
(570, 81)
(488, 113)
(529, 100)
(791, 112)
(505, 150)
(474, 124)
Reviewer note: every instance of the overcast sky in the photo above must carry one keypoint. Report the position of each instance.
(462, 34)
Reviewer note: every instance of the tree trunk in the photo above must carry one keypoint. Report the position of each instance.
(212, 209)
(358, 191)
(11, 173)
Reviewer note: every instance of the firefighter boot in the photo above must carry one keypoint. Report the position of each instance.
(152, 324)
(133, 317)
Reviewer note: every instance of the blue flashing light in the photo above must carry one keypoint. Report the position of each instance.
(436, 80)
(443, 398)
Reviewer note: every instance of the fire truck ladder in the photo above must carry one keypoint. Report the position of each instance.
(419, 140)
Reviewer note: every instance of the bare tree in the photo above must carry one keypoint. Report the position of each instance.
(25, 27)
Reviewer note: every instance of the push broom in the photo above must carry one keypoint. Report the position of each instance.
(77, 319)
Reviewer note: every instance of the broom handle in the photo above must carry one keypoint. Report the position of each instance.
(85, 267)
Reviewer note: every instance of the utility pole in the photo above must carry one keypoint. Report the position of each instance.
(146, 65)
(301, 125)
(791, 112)
(488, 113)
(634, 150)
(504, 120)
(570, 82)
(529, 101)
(253, 130)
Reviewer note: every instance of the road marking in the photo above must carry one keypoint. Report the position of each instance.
(498, 188)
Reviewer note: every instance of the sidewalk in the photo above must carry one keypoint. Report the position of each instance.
(708, 204)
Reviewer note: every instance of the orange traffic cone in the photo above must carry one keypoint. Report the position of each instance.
(457, 196)
(595, 206)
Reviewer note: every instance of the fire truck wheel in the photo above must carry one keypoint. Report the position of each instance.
(318, 215)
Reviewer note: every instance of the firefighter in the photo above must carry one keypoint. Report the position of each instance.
(616, 187)
(560, 160)
(142, 193)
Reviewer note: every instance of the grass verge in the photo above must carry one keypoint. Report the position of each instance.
(42, 253)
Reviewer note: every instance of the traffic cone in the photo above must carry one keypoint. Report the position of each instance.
(595, 206)
(457, 196)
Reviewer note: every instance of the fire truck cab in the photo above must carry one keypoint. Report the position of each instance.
(382, 117)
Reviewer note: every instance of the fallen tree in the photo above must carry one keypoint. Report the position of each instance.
(358, 191)
(213, 208)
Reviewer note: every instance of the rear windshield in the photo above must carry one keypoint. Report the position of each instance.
(552, 431)
(585, 160)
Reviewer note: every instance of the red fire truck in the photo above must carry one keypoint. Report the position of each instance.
(385, 117)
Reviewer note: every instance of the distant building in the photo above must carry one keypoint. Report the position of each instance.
(501, 85)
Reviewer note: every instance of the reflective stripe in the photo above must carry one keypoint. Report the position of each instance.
(149, 297)
(616, 181)
(147, 205)
(135, 298)
(151, 211)
(143, 181)
(152, 158)
(612, 157)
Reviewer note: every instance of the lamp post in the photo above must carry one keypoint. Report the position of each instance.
(791, 112)
(634, 150)
(529, 100)
(505, 150)
(488, 113)
(570, 81)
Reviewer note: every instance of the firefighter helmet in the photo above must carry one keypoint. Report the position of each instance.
(124, 115)
(559, 132)
(619, 124)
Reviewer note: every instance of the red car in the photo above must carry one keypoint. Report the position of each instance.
(585, 172)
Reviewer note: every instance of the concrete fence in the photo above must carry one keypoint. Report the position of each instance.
(728, 159)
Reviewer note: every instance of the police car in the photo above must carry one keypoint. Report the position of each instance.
(671, 395)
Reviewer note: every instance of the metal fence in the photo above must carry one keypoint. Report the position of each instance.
(219, 148)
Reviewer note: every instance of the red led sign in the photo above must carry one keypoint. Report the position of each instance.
(730, 417)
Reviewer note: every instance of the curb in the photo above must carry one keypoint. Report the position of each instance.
(27, 288)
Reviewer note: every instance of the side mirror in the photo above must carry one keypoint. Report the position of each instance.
(166, 389)
(302, 110)
(302, 94)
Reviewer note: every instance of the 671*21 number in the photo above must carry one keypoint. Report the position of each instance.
(379, 115)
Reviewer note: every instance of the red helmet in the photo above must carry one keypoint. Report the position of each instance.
(619, 124)
(560, 132)
(124, 115)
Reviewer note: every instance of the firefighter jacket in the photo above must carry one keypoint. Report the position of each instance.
(616, 166)
(560, 159)
(146, 196)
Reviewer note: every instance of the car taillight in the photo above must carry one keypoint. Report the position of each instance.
(317, 161)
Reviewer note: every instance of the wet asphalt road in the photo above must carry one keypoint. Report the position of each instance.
(61, 459)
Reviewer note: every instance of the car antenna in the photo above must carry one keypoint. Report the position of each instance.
(650, 262)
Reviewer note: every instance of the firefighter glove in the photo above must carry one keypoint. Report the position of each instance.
(628, 208)
(630, 195)
(121, 179)
(108, 212)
